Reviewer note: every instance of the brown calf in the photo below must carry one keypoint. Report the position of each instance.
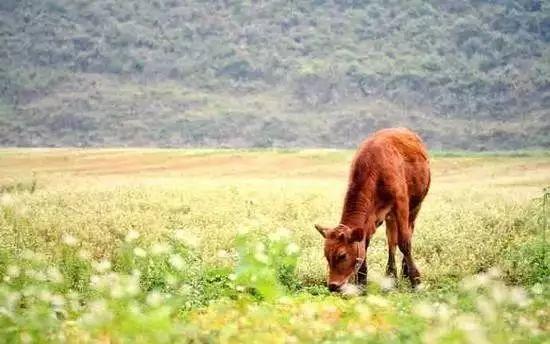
(390, 176)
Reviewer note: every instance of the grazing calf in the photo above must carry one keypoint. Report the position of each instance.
(389, 178)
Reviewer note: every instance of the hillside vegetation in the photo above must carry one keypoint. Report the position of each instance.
(465, 74)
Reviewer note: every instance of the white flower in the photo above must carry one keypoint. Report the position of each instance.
(6, 199)
(471, 328)
(171, 279)
(154, 299)
(57, 300)
(259, 253)
(186, 289)
(25, 338)
(494, 273)
(102, 266)
(519, 297)
(98, 306)
(378, 301)
(292, 249)
(117, 291)
(69, 240)
(139, 252)
(132, 286)
(124, 286)
(472, 283)
(159, 248)
(443, 312)
(186, 238)
(27, 254)
(22, 210)
(308, 310)
(11, 300)
(45, 295)
(242, 231)
(386, 283)
(37, 275)
(261, 257)
(498, 293)
(84, 254)
(33, 256)
(486, 308)
(98, 313)
(362, 311)
(134, 309)
(13, 271)
(132, 235)
(537, 289)
(260, 247)
(177, 262)
(54, 275)
(424, 310)
(223, 254)
(349, 289)
(528, 323)
(179, 234)
(279, 234)
(96, 282)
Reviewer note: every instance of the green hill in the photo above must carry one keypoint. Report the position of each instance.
(465, 74)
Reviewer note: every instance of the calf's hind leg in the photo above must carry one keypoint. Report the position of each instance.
(391, 235)
(404, 236)
(412, 217)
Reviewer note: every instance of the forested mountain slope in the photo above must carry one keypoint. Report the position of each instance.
(465, 74)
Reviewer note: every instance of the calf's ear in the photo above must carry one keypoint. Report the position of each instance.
(322, 230)
(357, 234)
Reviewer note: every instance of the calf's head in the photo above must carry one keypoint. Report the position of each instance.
(343, 249)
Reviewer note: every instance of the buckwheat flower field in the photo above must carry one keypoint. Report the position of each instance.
(193, 246)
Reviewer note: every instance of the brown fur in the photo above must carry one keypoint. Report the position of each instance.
(389, 178)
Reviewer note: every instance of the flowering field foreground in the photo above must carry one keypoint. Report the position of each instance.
(141, 246)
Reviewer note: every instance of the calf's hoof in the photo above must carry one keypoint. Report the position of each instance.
(391, 273)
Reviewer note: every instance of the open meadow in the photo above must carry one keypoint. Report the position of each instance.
(160, 245)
